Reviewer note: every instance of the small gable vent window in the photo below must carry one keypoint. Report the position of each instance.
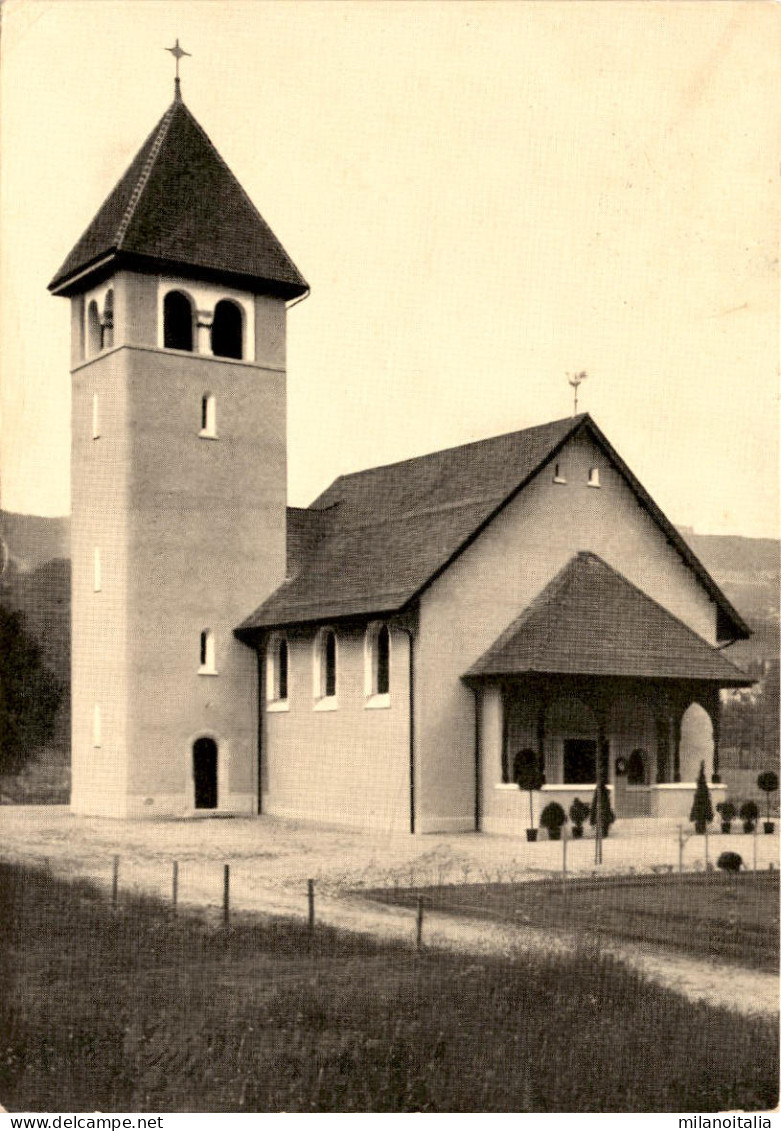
(325, 658)
(277, 679)
(207, 654)
(377, 659)
(94, 330)
(227, 330)
(177, 322)
(593, 477)
(208, 417)
(558, 474)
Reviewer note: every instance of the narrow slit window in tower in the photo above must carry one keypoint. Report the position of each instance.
(208, 417)
(207, 653)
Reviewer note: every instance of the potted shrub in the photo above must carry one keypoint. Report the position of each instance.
(552, 818)
(730, 862)
(702, 809)
(728, 812)
(768, 783)
(529, 776)
(748, 815)
(578, 812)
(606, 813)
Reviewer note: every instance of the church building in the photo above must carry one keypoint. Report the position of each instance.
(384, 657)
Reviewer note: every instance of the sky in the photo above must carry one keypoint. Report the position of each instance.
(484, 198)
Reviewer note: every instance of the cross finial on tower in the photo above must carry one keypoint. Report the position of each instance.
(178, 53)
(574, 381)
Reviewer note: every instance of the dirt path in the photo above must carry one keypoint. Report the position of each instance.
(271, 861)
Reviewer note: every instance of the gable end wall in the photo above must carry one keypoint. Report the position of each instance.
(495, 578)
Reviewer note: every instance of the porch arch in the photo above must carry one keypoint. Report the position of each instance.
(696, 742)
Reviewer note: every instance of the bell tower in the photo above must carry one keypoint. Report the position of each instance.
(178, 292)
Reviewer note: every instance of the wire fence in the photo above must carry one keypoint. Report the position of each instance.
(191, 982)
(515, 888)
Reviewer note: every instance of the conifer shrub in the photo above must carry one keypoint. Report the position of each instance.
(702, 809)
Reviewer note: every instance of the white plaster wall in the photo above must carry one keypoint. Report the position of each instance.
(346, 766)
(99, 629)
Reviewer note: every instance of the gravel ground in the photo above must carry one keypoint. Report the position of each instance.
(272, 859)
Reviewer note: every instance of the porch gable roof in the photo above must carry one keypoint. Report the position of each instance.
(590, 620)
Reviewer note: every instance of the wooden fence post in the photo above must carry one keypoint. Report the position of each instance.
(755, 844)
(680, 849)
(706, 850)
(310, 894)
(175, 886)
(226, 888)
(115, 884)
(419, 931)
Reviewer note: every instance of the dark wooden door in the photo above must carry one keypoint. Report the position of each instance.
(205, 773)
(580, 761)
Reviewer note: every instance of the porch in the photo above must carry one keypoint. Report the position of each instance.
(595, 682)
(645, 740)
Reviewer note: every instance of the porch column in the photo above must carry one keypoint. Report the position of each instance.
(492, 756)
(662, 728)
(541, 709)
(677, 718)
(712, 703)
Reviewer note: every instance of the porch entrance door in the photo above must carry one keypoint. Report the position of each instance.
(205, 773)
(580, 761)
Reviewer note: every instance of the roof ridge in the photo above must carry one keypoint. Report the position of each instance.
(576, 421)
(144, 175)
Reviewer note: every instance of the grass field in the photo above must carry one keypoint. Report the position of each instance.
(732, 918)
(134, 1010)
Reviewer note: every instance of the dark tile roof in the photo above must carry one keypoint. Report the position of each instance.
(380, 535)
(179, 205)
(589, 620)
(375, 539)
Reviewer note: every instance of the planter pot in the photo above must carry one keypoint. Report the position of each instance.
(531, 835)
(768, 826)
(577, 832)
(554, 834)
(748, 826)
(726, 826)
(699, 827)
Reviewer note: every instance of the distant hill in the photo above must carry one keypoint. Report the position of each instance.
(36, 581)
(749, 572)
(31, 539)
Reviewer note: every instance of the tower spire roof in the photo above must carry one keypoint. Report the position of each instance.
(179, 207)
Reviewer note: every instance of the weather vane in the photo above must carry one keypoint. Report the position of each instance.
(575, 381)
(178, 53)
